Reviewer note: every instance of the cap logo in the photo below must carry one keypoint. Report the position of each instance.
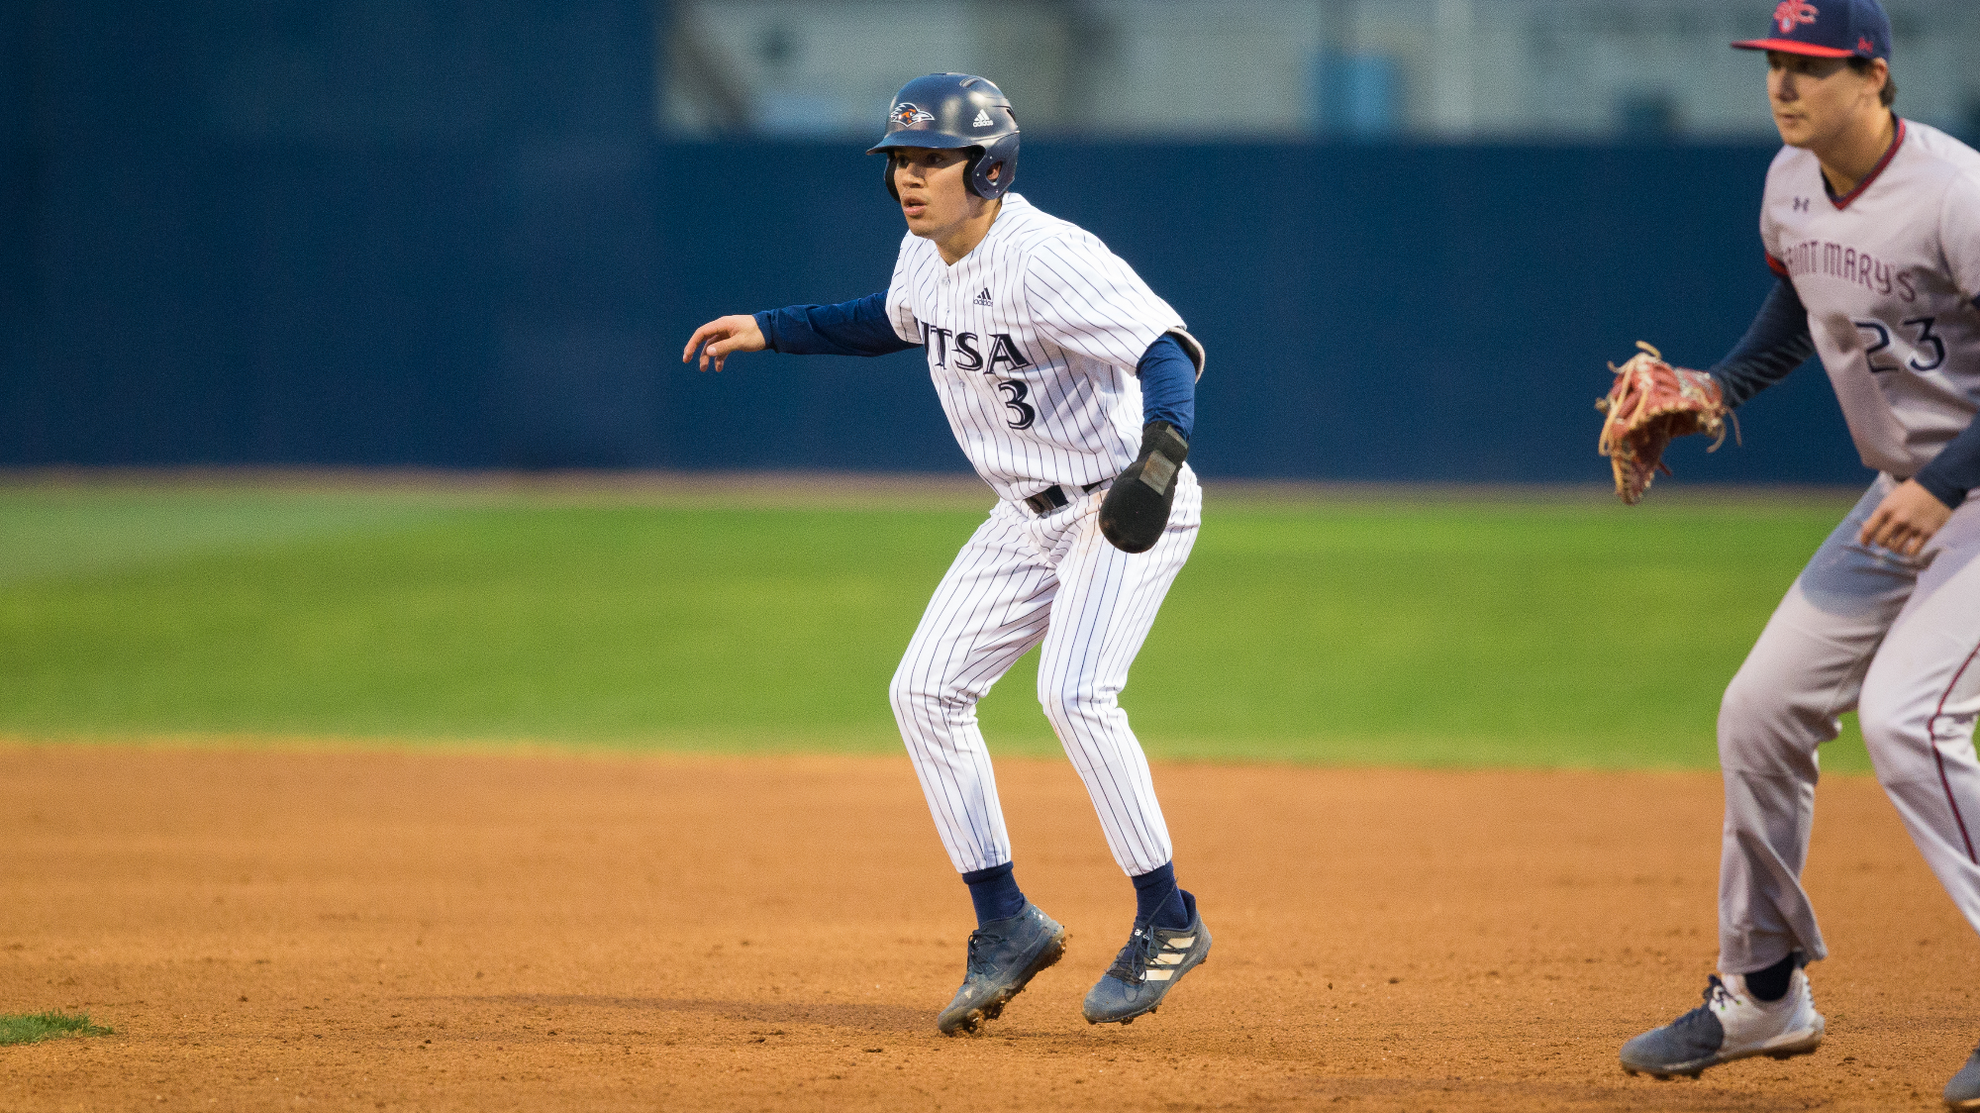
(1794, 12)
(982, 119)
(907, 114)
(1865, 45)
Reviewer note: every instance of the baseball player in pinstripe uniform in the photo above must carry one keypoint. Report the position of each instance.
(1872, 224)
(1071, 388)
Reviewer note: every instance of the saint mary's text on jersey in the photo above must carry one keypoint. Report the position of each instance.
(1834, 260)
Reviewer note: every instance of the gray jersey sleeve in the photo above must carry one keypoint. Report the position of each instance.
(1959, 234)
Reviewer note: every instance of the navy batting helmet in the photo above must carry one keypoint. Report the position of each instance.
(955, 111)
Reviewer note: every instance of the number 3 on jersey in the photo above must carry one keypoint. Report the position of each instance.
(1015, 392)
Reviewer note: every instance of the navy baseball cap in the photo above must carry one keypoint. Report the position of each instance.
(1827, 29)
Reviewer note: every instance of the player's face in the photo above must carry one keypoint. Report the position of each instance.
(934, 196)
(1817, 100)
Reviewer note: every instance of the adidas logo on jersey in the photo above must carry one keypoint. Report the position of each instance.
(982, 119)
(984, 297)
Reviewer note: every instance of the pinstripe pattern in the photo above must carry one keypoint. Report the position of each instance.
(1019, 582)
(1031, 340)
(1078, 317)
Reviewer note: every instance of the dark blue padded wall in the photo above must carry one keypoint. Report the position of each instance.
(18, 201)
(358, 233)
(416, 232)
(1371, 312)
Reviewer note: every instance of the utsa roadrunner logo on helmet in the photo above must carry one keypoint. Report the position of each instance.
(907, 115)
(1793, 12)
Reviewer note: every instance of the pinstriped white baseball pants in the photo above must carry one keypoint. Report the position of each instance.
(1896, 638)
(1053, 582)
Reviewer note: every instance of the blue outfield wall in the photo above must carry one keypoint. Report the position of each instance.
(484, 258)
(1371, 313)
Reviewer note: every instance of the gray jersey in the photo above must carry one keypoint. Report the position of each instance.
(1890, 275)
(1032, 341)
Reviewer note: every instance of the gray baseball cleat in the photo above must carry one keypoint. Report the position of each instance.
(1730, 1025)
(1963, 1092)
(1153, 961)
(1004, 955)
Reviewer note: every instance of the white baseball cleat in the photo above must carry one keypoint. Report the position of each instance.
(1730, 1025)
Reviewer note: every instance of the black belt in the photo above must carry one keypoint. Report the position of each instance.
(1054, 497)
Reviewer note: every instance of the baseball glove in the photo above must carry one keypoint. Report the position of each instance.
(1651, 403)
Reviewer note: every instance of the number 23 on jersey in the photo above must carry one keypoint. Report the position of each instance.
(1928, 351)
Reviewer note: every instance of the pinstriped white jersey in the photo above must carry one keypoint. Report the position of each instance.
(1032, 340)
(1890, 275)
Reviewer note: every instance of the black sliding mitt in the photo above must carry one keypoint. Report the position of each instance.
(1136, 509)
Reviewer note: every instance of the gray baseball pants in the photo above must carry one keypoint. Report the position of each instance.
(1896, 639)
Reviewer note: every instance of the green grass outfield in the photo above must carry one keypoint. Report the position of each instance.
(1371, 627)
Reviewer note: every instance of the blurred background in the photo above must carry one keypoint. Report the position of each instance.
(473, 238)
(434, 234)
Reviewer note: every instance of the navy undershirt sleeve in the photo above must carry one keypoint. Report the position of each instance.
(852, 328)
(1168, 385)
(1955, 470)
(1777, 342)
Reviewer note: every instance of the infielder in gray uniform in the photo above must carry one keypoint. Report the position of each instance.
(1872, 224)
(1071, 387)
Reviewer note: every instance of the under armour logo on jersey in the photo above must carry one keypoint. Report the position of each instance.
(982, 119)
(1801, 204)
(1792, 12)
(908, 114)
(984, 297)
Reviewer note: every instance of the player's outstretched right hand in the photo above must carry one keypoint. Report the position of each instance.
(722, 337)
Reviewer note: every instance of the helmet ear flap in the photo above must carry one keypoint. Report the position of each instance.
(887, 176)
(975, 172)
(999, 155)
(982, 184)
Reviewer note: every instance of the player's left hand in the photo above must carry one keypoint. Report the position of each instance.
(1651, 403)
(1905, 520)
(1136, 509)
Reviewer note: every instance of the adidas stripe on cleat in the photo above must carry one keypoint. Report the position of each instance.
(1154, 959)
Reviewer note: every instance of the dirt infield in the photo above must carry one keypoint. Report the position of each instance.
(282, 929)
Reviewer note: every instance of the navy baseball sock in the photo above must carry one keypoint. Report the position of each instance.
(1157, 900)
(995, 893)
(1771, 984)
